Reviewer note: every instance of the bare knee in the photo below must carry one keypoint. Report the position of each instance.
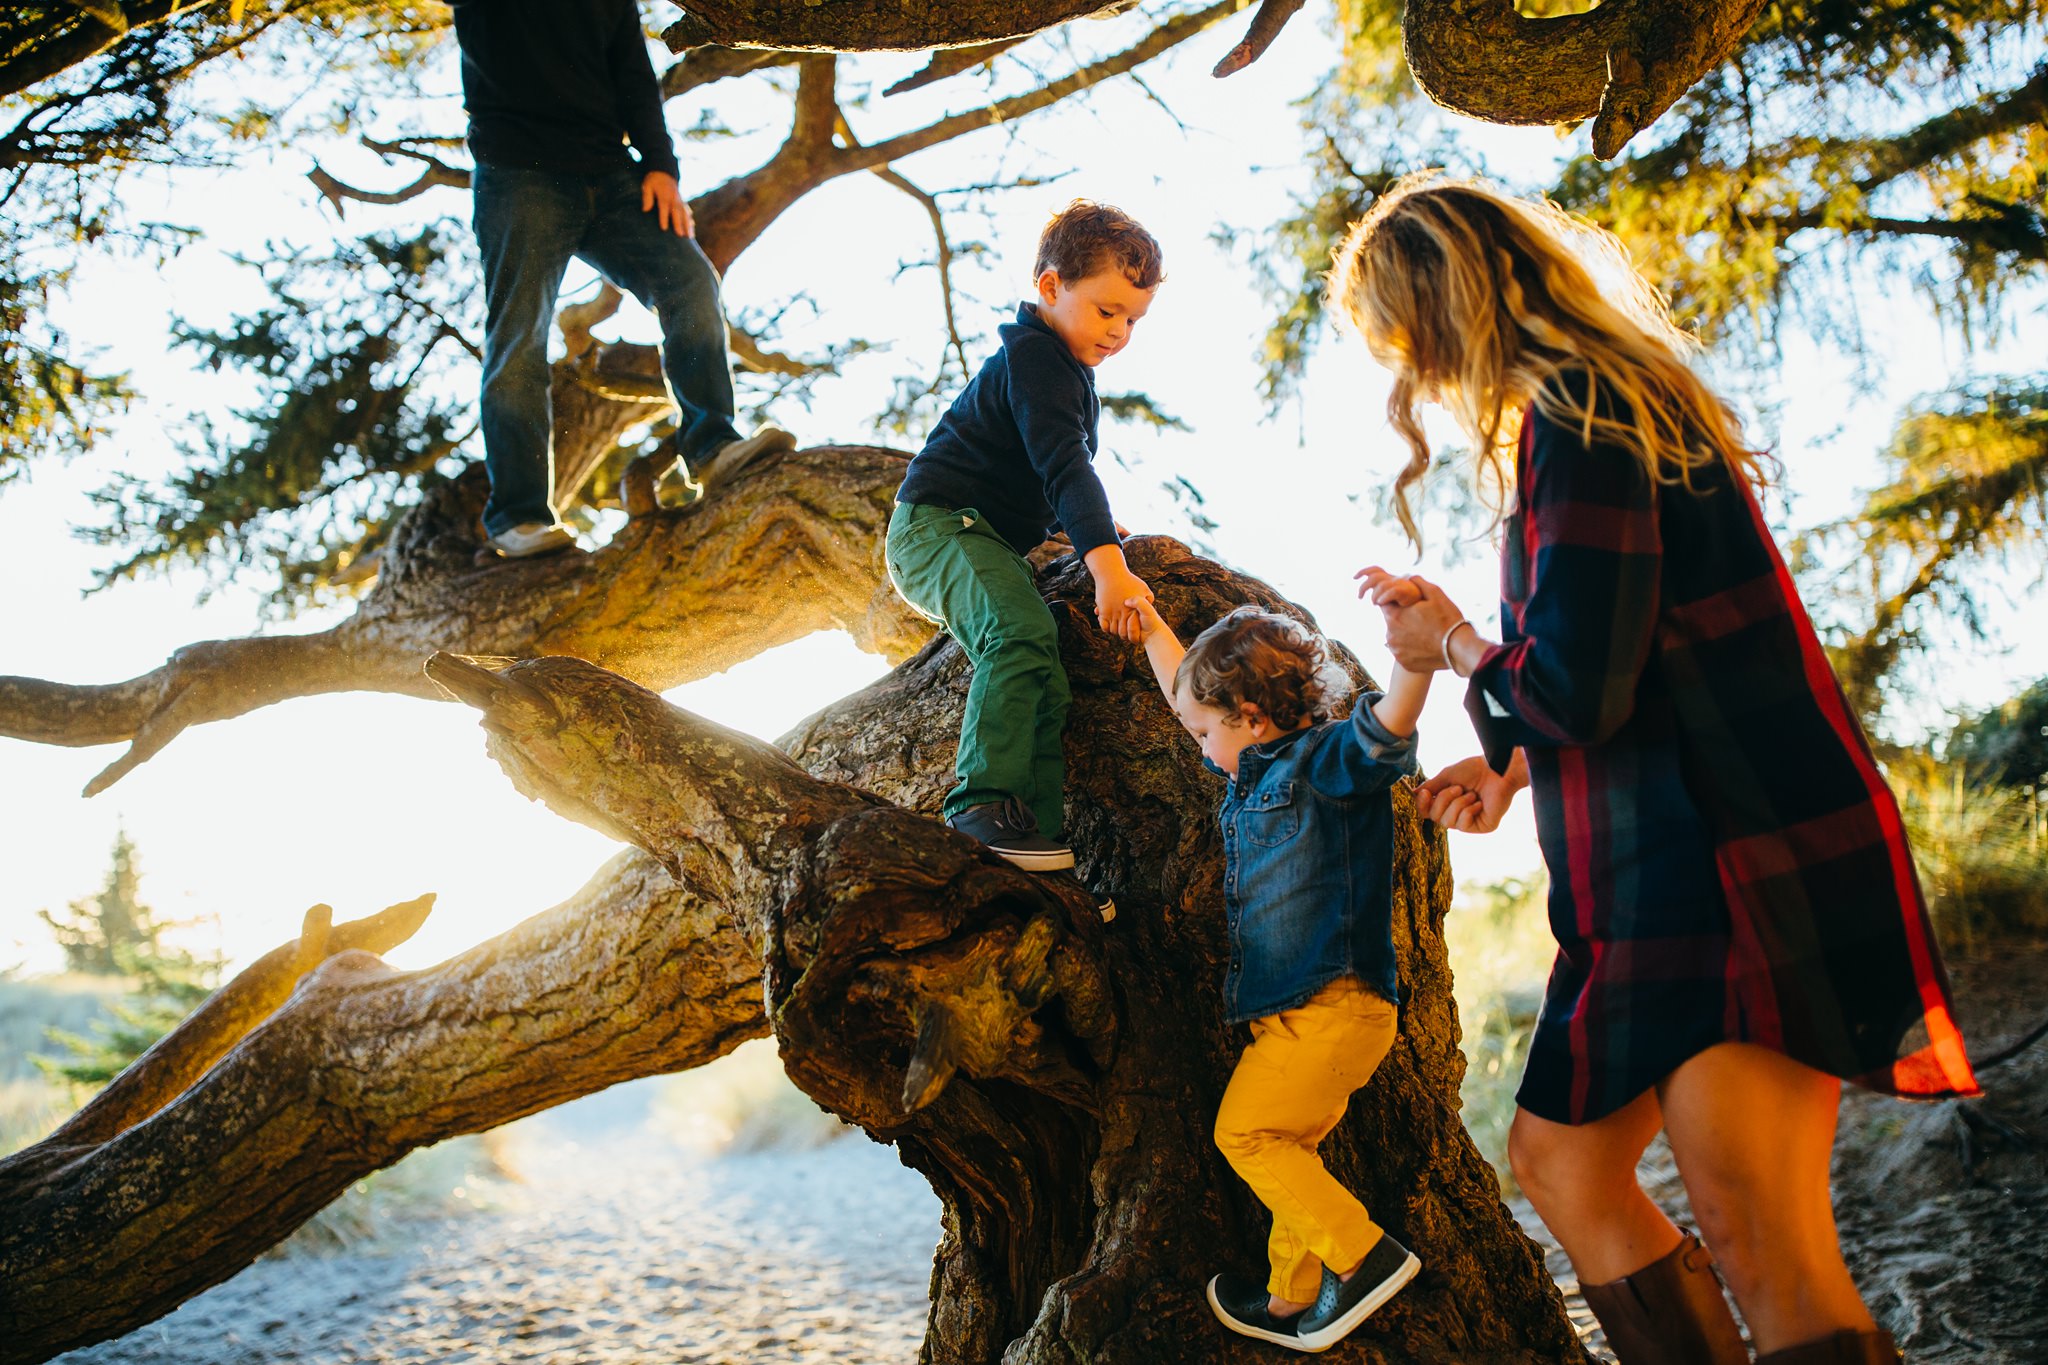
(1557, 1169)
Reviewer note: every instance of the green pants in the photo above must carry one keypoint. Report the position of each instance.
(952, 566)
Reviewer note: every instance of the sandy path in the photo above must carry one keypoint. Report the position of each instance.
(619, 1249)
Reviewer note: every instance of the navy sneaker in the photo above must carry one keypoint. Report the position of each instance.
(1343, 1304)
(1011, 831)
(1239, 1302)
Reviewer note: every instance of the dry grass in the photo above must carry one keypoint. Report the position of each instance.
(1498, 937)
(31, 1103)
(475, 1173)
(1982, 852)
(743, 1102)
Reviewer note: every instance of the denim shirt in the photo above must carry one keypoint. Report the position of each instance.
(1308, 862)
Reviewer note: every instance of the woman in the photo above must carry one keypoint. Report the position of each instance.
(1739, 928)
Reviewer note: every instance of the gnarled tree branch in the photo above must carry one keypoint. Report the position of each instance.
(791, 546)
(1620, 65)
(867, 25)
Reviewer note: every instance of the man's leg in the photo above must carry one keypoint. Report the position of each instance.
(527, 225)
(672, 276)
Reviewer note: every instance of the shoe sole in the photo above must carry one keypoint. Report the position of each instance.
(537, 552)
(1036, 862)
(1323, 1338)
(742, 453)
(1245, 1329)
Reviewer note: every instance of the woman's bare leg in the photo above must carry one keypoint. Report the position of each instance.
(1752, 1131)
(1582, 1180)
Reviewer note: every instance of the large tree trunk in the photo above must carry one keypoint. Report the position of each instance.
(1054, 1078)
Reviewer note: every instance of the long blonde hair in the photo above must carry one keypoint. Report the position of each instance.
(1482, 302)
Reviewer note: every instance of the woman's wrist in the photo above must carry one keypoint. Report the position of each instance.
(1444, 645)
(1464, 648)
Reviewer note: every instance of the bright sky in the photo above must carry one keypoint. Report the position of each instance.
(362, 800)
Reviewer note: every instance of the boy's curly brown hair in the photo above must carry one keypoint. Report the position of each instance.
(1085, 237)
(1268, 660)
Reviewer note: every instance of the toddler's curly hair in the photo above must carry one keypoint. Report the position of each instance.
(1268, 660)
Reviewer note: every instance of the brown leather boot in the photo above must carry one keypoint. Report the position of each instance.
(1670, 1312)
(1843, 1348)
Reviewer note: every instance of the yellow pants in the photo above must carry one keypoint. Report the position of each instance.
(1289, 1090)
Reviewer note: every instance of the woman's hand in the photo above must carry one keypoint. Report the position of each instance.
(1470, 797)
(1417, 615)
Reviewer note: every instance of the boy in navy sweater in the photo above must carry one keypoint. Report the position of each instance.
(1010, 462)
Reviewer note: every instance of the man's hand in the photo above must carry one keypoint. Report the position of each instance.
(1469, 796)
(660, 195)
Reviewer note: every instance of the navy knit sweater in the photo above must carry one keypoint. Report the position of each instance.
(1018, 444)
(559, 85)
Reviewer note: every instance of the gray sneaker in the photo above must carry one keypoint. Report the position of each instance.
(1240, 1303)
(730, 458)
(1011, 832)
(1343, 1304)
(531, 538)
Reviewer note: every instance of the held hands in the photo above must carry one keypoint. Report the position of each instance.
(1116, 588)
(1469, 796)
(1418, 615)
(660, 195)
(1148, 615)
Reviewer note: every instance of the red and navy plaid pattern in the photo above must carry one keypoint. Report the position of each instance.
(1726, 862)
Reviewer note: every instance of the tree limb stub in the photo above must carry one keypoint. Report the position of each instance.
(790, 547)
(1266, 25)
(184, 1054)
(1622, 64)
(634, 976)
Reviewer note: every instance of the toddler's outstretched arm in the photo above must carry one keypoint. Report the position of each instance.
(1401, 707)
(1162, 646)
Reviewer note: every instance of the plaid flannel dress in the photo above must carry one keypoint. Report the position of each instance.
(1726, 862)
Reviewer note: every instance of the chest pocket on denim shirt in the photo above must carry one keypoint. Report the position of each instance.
(1271, 815)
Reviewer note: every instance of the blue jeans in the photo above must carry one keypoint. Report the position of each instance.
(528, 224)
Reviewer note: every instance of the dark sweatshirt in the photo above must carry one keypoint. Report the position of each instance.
(1018, 444)
(559, 85)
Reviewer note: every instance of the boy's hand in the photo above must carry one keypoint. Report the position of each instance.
(1114, 590)
(1148, 615)
(1388, 591)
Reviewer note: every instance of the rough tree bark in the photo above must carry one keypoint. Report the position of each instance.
(1054, 1078)
(1621, 64)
